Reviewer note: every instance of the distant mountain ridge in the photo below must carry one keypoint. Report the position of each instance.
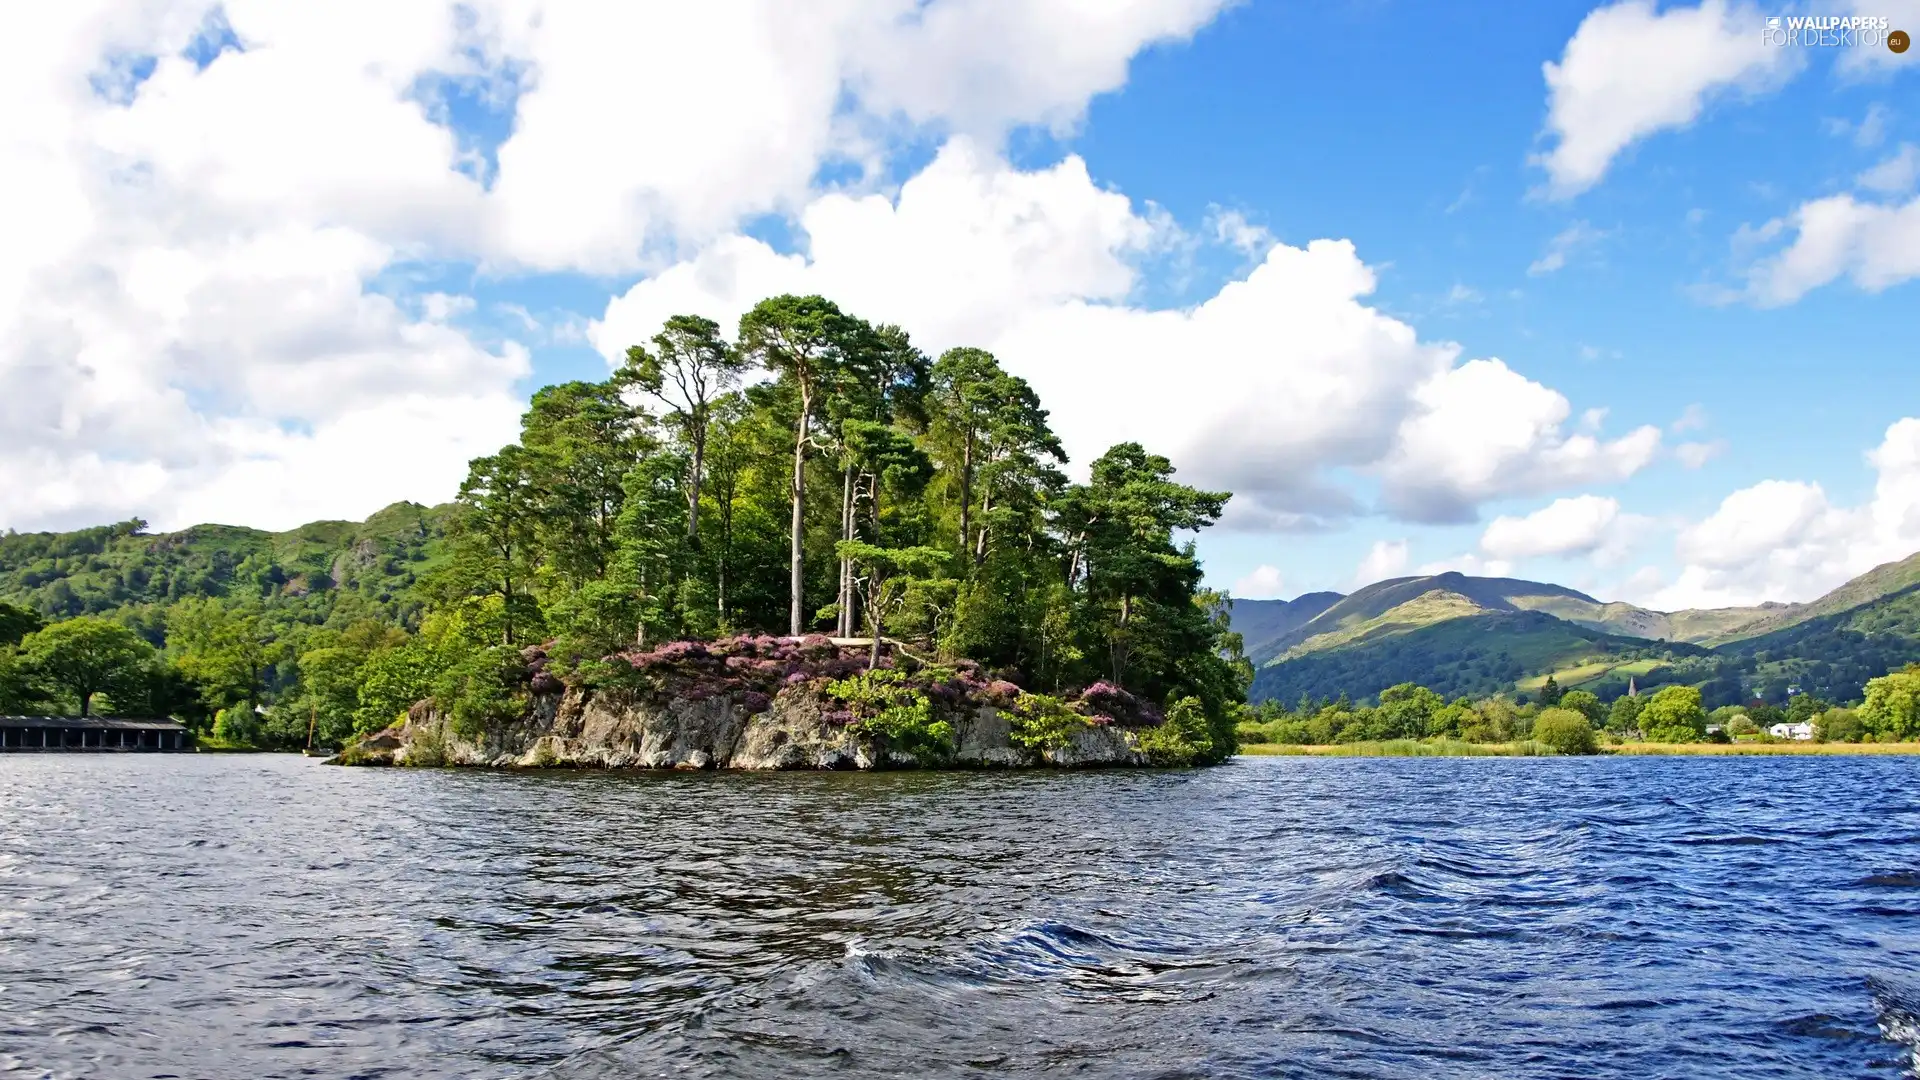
(1460, 633)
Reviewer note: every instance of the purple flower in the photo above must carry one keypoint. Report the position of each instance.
(543, 683)
(838, 716)
(755, 702)
(796, 678)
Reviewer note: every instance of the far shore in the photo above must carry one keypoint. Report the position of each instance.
(1455, 748)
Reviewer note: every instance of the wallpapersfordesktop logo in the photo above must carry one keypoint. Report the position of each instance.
(1834, 32)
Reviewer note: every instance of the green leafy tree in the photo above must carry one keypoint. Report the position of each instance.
(1566, 731)
(87, 656)
(689, 368)
(226, 651)
(1674, 714)
(804, 340)
(1406, 710)
(578, 441)
(882, 574)
(1891, 710)
(1550, 692)
(1586, 704)
(494, 531)
(1624, 715)
(1838, 725)
(16, 623)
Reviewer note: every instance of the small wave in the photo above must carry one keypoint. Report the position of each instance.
(1899, 1010)
(1889, 881)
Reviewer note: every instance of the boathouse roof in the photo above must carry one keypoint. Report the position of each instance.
(92, 723)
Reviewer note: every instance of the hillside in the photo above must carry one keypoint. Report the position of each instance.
(305, 571)
(1261, 623)
(1883, 581)
(1461, 634)
(1477, 653)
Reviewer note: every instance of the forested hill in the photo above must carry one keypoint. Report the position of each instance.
(1464, 635)
(306, 573)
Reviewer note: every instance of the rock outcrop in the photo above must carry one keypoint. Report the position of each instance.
(795, 729)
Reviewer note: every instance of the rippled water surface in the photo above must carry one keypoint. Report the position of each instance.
(201, 916)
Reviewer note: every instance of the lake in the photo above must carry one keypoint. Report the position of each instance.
(267, 916)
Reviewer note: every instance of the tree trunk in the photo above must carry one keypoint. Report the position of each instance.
(980, 546)
(874, 614)
(694, 471)
(86, 702)
(799, 498)
(966, 494)
(843, 601)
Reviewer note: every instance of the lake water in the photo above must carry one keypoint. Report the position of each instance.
(203, 916)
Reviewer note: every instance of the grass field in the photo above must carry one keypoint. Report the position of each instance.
(1570, 678)
(1455, 748)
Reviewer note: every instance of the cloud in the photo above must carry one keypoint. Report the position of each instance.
(1469, 564)
(1786, 540)
(1868, 132)
(763, 93)
(1695, 455)
(1629, 72)
(1481, 431)
(1565, 244)
(1876, 245)
(1231, 227)
(1895, 175)
(1385, 559)
(1574, 526)
(1691, 418)
(1039, 267)
(215, 209)
(1263, 584)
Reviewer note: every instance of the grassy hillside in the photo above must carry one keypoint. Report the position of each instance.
(1261, 623)
(1460, 634)
(1883, 581)
(1350, 617)
(306, 572)
(1474, 654)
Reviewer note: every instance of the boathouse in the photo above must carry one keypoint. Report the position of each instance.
(90, 733)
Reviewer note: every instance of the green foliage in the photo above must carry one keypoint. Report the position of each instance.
(1624, 715)
(1892, 707)
(17, 622)
(1673, 715)
(1186, 738)
(1566, 731)
(237, 726)
(87, 656)
(883, 702)
(1585, 703)
(1043, 722)
(1839, 725)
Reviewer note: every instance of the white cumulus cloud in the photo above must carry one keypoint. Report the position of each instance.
(1630, 71)
(1875, 245)
(1264, 583)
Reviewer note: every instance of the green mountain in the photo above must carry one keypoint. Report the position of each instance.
(1461, 634)
(1262, 623)
(307, 572)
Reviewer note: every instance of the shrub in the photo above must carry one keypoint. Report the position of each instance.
(1838, 725)
(1041, 722)
(883, 703)
(1182, 739)
(1567, 731)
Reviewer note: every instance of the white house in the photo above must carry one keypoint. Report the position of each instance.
(1802, 731)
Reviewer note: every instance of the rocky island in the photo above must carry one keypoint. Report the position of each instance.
(766, 703)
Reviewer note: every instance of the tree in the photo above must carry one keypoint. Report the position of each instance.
(1674, 715)
(803, 340)
(1566, 731)
(1550, 693)
(495, 529)
(1141, 588)
(881, 574)
(1624, 716)
(225, 651)
(1406, 710)
(689, 368)
(1891, 710)
(1586, 704)
(86, 656)
(579, 440)
(17, 623)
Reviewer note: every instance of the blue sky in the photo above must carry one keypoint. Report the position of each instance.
(1605, 294)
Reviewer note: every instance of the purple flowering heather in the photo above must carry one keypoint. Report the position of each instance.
(755, 702)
